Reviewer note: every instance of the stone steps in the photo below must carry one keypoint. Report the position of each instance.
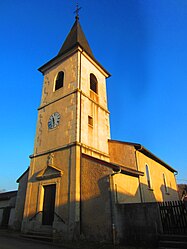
(45, 233)
(38, 237)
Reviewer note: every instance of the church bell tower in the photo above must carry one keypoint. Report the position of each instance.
(73, 118)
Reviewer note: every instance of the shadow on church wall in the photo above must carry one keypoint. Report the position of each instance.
(134, 223)
(99, 216)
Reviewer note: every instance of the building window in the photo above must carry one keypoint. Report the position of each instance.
(93, 83)
(90, 120)
(165, 184)
(148, 176)
(59, 80)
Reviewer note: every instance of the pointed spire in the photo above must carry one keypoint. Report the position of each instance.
(76, 37)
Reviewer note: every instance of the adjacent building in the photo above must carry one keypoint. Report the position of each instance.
(7, 208)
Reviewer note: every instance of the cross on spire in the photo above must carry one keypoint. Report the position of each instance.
(77, 11)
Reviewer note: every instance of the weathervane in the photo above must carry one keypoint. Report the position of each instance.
(77, 11)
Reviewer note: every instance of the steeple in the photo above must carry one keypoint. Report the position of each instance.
(73, 119)
(74, 40)
(76, 37)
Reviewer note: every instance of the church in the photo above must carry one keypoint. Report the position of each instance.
(79, 179)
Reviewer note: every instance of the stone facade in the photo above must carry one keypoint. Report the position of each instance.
(75, 102)
(95, 105)
(95, 195)
(77, 176)
(158, 192)
(133, 189)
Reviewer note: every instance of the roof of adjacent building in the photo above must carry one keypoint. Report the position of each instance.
(7, 195)
(115, 167)
(27, 170)
(146, 152)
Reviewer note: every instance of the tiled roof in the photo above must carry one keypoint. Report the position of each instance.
(146, 152)
(7, 195)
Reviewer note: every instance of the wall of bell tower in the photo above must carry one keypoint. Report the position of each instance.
(63, 101)
(94, 114)
(84, 115)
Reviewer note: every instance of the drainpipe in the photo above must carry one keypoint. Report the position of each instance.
(175, 174)
(141, 196)
(112, 203)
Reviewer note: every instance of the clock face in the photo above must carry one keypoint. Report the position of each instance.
(54, 120)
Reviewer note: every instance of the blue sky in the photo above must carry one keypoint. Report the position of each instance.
(142, 43)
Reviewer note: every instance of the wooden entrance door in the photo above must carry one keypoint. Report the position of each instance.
(49, 204)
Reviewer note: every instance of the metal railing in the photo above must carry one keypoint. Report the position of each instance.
(34, 216)
(57, 215)
(60, 218)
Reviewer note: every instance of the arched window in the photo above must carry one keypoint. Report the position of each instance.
(93, 83)
(59, 80)
(148, 176)
(165, 183)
